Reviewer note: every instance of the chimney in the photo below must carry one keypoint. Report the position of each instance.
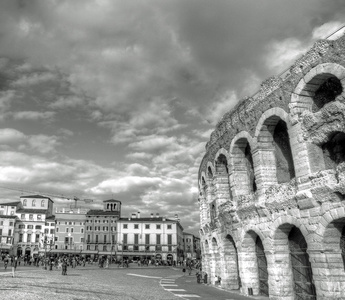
(138, 214)
(157, 215)
(176, 217)
(134, 216)
(151, 215)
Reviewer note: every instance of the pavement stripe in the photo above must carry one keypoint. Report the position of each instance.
(162, 284)
(144, 276)
(175, 290)
(187, 296)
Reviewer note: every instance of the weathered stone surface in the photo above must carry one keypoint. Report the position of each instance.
(289, 196)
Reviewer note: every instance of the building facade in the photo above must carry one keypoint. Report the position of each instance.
(272, 184)
(191, 246)
(31, 213)
(101, 228)
(69, 230)
(7, 226)
(154, 238)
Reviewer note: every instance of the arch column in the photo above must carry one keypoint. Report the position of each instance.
(230, 274)
(328, 274)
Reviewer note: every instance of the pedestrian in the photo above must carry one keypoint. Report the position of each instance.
(6, 262)
(64, 266)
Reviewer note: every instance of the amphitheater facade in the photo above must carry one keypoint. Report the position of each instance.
(272, 184)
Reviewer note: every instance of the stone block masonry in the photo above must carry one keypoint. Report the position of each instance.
(272, 184)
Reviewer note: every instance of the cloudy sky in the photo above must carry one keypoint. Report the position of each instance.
(116, 99)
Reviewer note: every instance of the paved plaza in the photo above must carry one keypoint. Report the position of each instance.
(91, 282)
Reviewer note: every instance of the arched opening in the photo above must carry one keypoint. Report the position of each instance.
(243, 177)
(334, 150)
(275, 149)
(326, 92)
(223, 184)
(231, 269)
(216, 267)
(262, 267)
(254, 274)
(283, 155)
(301, 267)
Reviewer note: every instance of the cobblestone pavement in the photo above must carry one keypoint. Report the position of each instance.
(88, 282)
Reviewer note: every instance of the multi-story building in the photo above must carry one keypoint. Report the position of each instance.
(191, 246)
(101, 228)
(29, 228)
(7, 223)
(70, 230)
(154, 237)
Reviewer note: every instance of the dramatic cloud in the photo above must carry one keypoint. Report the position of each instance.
(118, 98)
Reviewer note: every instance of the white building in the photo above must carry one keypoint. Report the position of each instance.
(152, 237)
(32, 213)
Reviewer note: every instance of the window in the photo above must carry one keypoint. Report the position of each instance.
(37, 238)
(147, 239)
(21, 226)
(96, 247)
(12, 212)
(136, 238)
(30, 226)
(42, 203)
(39, 217)
(22, 216)
(169, 239)
(125, 238)
(87, 247)
(29, 237)
(66, 229)
(105, 238)
(82, 230)
(33, 202)
(51, 231)
(169, 226)
(96, 238)
(72, 229)
(158, 226)
(46, 230)
(0, 231)
(136, 226)
(57, 229)
(69, 223)
(31, 217)
(10, 232)
(66, 239)
(11, 223)
(88, 238)
(125, 226)
(24, 202)
(82, 240)
(20, 238)
(56, 238)
(38, 227)
(147, 226)
(158, 239)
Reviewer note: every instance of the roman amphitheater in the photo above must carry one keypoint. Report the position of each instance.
(272, 184)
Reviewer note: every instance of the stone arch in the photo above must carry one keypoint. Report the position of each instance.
(242, 175)
(231, 278)
(254, 270)
(303, 96)
(222, 151)
(274, 150)
(215, 265)
(222, 184)
(292, 261)
(210, 171)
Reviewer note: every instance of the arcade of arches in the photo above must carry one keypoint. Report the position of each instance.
(272, 185)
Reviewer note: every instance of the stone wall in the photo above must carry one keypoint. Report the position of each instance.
(272, 184)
